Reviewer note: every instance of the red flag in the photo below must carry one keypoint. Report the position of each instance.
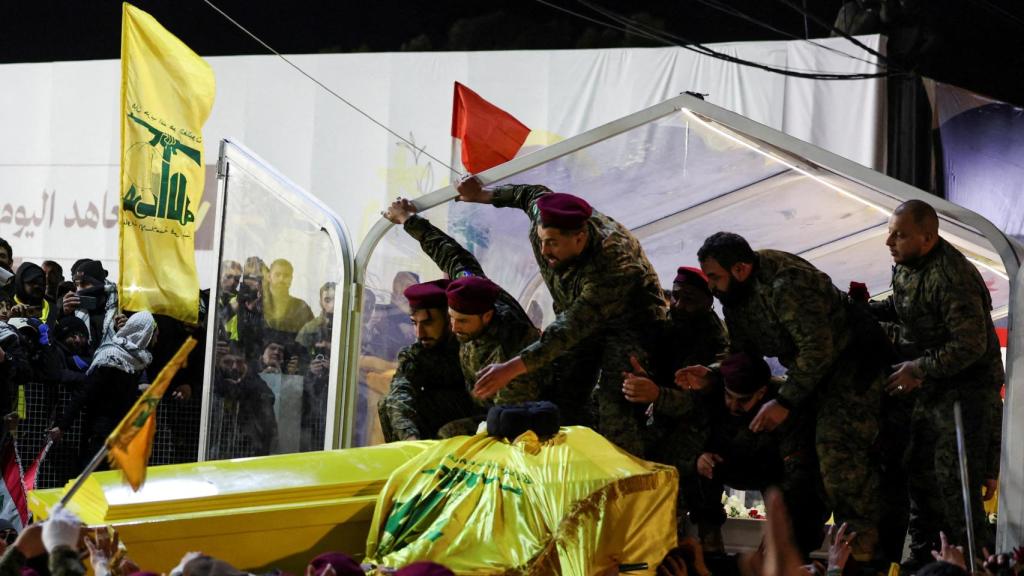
(15, 505)
(33, 469)
(489, 135)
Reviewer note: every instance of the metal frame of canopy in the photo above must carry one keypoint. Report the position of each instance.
(235, 156)
(968, 230)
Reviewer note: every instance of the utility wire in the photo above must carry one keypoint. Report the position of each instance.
(732, 11)
(331, 92)
(832, 28)
(632, 27)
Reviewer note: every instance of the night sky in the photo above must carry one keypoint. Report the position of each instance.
(975, 44)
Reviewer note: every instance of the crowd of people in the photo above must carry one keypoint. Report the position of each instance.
(857, 422)
(72, 364)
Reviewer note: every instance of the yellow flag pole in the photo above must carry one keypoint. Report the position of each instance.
(93, 464)
(156, 388)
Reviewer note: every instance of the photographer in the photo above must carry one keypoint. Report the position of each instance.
(94, 301)
(30, 299)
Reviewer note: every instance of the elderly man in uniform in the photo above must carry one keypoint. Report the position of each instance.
(488, 322)
(606, 296)
(779, 305)
(427, 391)
(943, 309)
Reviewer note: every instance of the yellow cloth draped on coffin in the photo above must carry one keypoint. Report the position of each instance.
(573, 505)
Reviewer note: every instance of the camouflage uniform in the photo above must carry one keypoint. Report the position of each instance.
(943, 308)
(509, 331)
(784, 457)
(795, 314)
(427, 392)
(608, 304)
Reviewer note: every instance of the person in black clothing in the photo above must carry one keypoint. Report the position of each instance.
(30, 300)
(113, 382)
(734, 456)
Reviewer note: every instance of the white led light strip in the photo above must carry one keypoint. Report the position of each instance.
(887, 213)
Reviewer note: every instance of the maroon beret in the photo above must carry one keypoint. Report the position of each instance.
(472, 295)
(427, 295)
(343, 564)
(692, 277)
(744, 374)
(859, 292)
(424, 569)
(563, 211)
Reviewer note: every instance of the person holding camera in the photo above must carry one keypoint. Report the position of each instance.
(30, 300)
(94, 301)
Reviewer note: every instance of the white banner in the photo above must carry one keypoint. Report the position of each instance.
(58, 164)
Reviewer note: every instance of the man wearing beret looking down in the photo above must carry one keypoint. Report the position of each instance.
(607, 300)
(488, 322)
(730, 454)
(427, 391)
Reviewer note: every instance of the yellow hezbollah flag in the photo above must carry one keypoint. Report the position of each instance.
(166, 95)
(574, 505)
(130, 443)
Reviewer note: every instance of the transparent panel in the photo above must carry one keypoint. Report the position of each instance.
(673, 181)
(274, 314)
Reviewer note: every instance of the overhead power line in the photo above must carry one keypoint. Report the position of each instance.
(330, 91)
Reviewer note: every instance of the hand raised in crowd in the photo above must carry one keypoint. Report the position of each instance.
(781, 557)
(293, 366)
(25, 311)
(636, 386)
(471, 190)
(904, 380)
(949, 553)
(706, 463)
(70, 302)
(996, 564)
(399, 211)
(769, 417)
(839, 548)
(119, 321)
(319, 365)
(30, 541)
(183, 392)
(104, 549)
(693, 377)
(54, 434)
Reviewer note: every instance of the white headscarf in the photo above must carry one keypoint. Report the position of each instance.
(126, 351)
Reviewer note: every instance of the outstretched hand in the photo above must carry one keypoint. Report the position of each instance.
(949, 553)
(693, 377)
(495, 377)
(637, 386)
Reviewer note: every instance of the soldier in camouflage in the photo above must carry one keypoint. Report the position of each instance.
(607, 299)
(428, 392)
(779, 305)
(951, 354)
(489, 323)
